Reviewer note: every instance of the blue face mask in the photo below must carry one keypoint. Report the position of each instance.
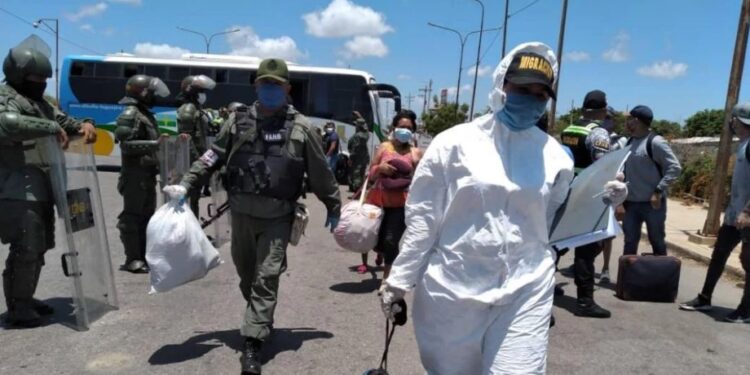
(402, 135)
(521, 111)
(271, 96)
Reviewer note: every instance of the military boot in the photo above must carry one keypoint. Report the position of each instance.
(250, 360)
(21, 313)
(40, 307)
(134, 259)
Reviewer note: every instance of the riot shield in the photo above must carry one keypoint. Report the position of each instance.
(221, 226)
(174, 162)
(80, 228)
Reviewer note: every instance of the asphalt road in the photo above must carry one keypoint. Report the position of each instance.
(328, 321)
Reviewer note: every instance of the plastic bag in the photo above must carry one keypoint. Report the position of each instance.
(177, 250)
(359, 226)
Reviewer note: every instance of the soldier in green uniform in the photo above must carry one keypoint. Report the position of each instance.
(359, 154)
(267, 149)
(138, 135)
(194, 122)
(26, 201)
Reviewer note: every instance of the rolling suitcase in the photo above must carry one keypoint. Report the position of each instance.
(648, 278)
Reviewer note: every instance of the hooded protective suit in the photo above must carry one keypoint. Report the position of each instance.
(476, 244)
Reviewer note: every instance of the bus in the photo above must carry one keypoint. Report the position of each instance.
(91, 86)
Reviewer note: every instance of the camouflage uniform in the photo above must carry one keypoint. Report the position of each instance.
(359, 155)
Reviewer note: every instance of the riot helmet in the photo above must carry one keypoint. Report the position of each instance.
(145, 89)
(29, 59)
(194, 88)
(232, 107)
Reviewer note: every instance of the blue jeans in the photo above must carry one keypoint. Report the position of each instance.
(332, 161)
(636, 213)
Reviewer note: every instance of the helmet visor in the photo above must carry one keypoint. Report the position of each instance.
(158, 87)
(36, 43)
(203, 82)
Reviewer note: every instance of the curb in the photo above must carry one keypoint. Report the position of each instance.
(688, 253)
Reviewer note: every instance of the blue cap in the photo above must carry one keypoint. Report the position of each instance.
(643, 113)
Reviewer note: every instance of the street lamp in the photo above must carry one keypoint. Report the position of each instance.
(476, 67)
(208, 39)
(462, 40)
(56, 30)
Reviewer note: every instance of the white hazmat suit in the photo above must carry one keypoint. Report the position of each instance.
(476, 244)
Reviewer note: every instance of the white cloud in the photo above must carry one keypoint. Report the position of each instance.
(246, 42)
(577, 56)
(483, 70)
(620, 49)
(129, 2)
(87, 11)
(158, 50)
(664, 70)
(364, 46)
(403, 77)
(452, 89)
(87, 27)
(343, 18)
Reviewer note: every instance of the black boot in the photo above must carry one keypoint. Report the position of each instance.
(250, 360)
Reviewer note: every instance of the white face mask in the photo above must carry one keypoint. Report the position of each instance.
(201, 97)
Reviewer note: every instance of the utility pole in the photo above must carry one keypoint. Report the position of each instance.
(505, 27)
(476, 67)
(425, 94)
(560, 41)
(711, 227)
(408, 100)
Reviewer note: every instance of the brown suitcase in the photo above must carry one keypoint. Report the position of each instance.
(648, 278)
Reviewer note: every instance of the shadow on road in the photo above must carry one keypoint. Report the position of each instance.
(282, 340)
(361, 287)
(567, 303)
(718, 313)
(64, 313)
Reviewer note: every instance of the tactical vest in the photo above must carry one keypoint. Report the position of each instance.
(574, 136)
(265, 166)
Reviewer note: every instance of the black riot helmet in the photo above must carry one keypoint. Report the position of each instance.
(145, 88)
(196, 84)
(30, 57)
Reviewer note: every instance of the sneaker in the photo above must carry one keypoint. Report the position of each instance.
(592, 310)
(604, 278)
(362, 268)
(737, 317)
(699, 303)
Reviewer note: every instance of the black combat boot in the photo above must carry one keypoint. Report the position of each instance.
(250, 360)
(21, 313)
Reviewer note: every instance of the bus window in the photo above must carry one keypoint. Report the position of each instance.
(208, 72)
(132, 69)
(240, 77)
(177, 73)
(159, 71)
(108, 70)
(82, 69)
(221, 75)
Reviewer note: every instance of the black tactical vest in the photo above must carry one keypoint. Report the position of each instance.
(574, 136)
(264, 166)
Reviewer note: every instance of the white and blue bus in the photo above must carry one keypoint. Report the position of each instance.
(91, 86)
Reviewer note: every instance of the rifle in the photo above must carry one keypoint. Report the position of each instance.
(213, 217)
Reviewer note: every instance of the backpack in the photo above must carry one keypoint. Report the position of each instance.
(650, 151)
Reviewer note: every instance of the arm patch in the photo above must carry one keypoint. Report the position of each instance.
(209, 158)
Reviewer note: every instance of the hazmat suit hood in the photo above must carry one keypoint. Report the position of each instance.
(497, 95)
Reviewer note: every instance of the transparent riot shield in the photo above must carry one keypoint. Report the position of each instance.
(222, 226)
(174, 162)
(80, 227)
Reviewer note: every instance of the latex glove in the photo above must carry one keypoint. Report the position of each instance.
(176, 192)
(332, 221)
(615, 192)
(389, 296)
(743, 221)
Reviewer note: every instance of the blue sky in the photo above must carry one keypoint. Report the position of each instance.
(673, 55)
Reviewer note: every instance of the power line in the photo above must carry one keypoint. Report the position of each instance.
(527, 6)
(497, 36)
(49, 32)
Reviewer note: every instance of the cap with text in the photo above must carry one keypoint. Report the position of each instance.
(529, 68)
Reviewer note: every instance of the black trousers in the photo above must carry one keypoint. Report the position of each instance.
(583, 266)
(729, 237)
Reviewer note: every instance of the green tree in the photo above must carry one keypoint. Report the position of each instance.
(706, 123)
(666, 129)
(444, 117)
